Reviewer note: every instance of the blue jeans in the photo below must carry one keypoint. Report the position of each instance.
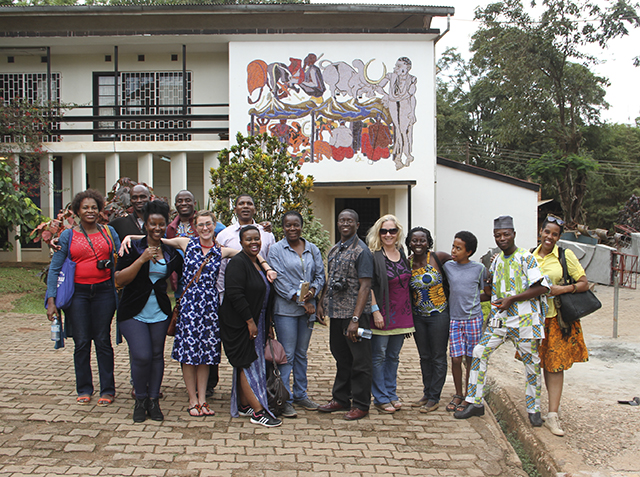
(146, 353)
(294, 335)
(385, 354)
(432, 336)
(90, 316)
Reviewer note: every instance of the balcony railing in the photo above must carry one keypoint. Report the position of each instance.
(143, 122)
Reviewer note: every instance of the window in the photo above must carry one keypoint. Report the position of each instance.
(143, 94)
(31, 87)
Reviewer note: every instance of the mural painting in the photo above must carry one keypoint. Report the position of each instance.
(332, 110)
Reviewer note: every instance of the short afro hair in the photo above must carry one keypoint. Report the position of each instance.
(470, 241)
(87, 194)
(159, 207)
(424, 231)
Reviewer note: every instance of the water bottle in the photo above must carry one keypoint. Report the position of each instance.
(55, 329)
(364, 333)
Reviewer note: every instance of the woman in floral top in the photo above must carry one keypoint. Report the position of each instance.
(430, 315)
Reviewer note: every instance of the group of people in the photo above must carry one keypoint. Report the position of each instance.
(237, 286)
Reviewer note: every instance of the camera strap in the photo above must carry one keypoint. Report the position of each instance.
(91, 243)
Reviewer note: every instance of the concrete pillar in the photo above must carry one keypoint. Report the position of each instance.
(145, 168)
(111, 170)
(210, 161)
(178, 173)
(46, 188)
(17, 246)
(79, 173)
(67, 175)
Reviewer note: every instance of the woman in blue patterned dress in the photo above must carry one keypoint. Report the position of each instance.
(197, 341)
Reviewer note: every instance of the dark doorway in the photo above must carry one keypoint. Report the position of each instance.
(368, 210)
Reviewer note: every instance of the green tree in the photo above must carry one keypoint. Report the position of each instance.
(16, 209)
(260, 166)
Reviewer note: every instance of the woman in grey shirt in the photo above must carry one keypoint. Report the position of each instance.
(300, 276)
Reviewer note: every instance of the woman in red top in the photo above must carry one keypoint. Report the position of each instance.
(89, 316)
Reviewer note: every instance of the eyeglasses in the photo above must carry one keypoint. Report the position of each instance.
(207, 225)
(346, 221)
(557, 220)
(392, 231)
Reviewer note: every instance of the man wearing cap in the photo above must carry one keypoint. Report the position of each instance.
(516, 286)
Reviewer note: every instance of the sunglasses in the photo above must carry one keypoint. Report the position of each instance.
(393, 231)
(554, 219)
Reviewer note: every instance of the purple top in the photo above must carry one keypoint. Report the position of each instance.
(401, 319)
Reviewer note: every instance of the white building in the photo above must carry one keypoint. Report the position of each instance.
(160, 89)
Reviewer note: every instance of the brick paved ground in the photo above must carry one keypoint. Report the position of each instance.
(43, 432)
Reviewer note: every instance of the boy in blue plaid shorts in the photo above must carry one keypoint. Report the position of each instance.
(467, 280)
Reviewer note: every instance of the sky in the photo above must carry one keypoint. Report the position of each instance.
(623, 94)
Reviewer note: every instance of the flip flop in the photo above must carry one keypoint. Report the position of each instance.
(453, 406)
(105, 400)
(634, 402)
(83, 400)
(206, 410)
(197, 409)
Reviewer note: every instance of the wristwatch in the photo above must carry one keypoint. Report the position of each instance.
(355, 319)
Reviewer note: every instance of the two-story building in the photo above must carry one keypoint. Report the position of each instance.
(157, 91)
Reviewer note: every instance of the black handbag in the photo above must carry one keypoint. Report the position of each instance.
(277, 394)
(573, 306)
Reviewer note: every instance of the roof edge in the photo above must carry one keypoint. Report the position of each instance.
(479, 171)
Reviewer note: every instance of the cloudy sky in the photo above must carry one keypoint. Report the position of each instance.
(616, 61)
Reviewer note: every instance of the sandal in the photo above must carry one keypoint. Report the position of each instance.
(197, 409)
(386, 408)
(206, 410)
(453, 405)
(106, 400)
(83, 400)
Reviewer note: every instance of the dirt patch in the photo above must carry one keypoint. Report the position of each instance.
(7, 299)
(602, 436)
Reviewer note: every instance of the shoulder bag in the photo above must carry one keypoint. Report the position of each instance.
(573, 306)
(66, 286)
(274, 351)
(277, 394)
(175, 313)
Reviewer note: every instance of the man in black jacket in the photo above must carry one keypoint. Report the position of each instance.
(133, 224)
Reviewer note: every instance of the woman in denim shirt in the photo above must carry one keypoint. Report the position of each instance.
(298, 262)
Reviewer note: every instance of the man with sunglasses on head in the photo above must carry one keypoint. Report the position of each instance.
(518, 309)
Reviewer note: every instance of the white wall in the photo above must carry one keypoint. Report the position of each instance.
(466, 201)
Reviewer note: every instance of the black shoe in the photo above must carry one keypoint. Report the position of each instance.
(153, 410)
(140, 410)
(535, 419)
(470, 411)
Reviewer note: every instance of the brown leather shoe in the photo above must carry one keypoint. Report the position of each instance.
(355, 414)
(332, 406)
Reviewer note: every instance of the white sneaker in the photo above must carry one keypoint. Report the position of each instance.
(553, 424)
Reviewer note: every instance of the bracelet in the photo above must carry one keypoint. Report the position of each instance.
(575, 287)
(375, 308)
(264, 261)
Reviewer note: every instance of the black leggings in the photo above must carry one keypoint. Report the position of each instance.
(146, 353)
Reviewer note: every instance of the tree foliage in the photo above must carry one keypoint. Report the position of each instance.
(16, 209)
(529, 88)
(261, 167)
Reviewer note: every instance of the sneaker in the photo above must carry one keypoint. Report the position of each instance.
(140, 410)
(246, 411)
(307, 404)
(288, 411)
(264, 419)
(553, 424)
(153, 410)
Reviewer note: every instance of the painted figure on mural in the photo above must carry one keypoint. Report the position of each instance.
(340, 142)
(401, 101)
(313, 83)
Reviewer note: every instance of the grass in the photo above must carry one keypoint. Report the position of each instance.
(25, 281)
(527, 463)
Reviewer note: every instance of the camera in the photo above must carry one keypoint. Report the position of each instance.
(102, 264)
(339, 284)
